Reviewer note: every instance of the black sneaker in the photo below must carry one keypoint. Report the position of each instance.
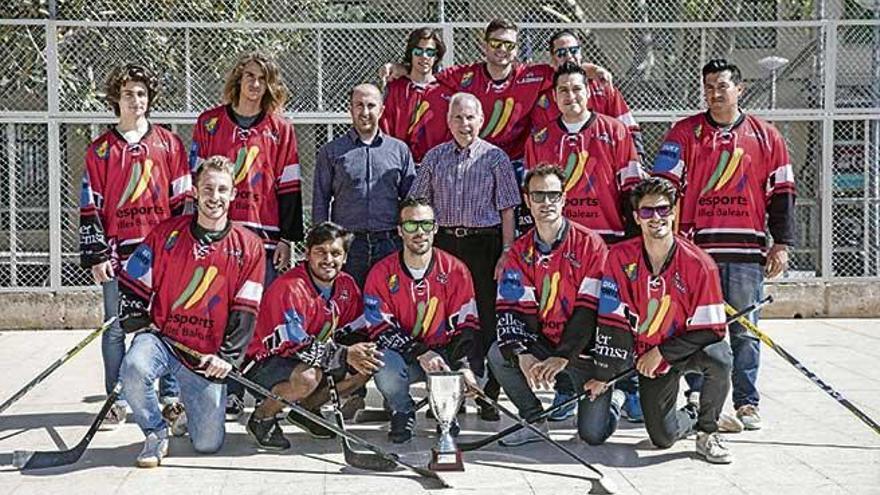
(486, 411)
(234, 407)
(267, 433)
(314, 429)
(402, 425)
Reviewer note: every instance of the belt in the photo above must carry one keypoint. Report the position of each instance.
(468, 231)
(376, 234)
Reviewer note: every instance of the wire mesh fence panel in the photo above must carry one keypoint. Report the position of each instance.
(23, 77)
(858, 66)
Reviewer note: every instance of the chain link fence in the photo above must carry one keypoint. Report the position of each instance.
(825, 98)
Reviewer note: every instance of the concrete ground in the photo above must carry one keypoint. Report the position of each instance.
(810, 444)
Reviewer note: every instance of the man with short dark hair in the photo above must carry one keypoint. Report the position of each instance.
(195, 280)
(419, 309)
(306, 318)
(736, 183)
(661, 309)
(546, 304)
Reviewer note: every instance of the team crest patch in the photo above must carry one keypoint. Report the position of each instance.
(172, 240)
(211, 126)
(442, 278)
(393, 283)
(103, 150)
(632, 271)
(540, 136)
(544, 102)
(528, 255)
(467, 79)
(698, 131)
(679, 283)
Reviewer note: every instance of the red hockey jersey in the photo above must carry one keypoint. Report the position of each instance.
(416, 115)
(549, 287)
(127, 189)
(600, 163)
(506, 104)
(192, 287)
(684, 297)
(267, 171)
(604, 98)
(730, 179)
(293, 314)
(431, 310)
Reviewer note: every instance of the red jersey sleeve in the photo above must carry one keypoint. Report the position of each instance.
(92, 239)
(249, 287)
(461, 301)
(669, 162)
(181, 179)
(288, 185)
(629, 167)
(707, 303)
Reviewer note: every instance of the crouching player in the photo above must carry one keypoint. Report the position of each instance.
(661, 306)
(547, 300)
(306, 317)
(196, 280)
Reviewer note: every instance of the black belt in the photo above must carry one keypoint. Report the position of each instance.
(469, 231)
(377, 234)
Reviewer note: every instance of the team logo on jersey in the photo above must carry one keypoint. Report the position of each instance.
(698, 131)
(657, 312)
(540, 136)
(371, 309)
(467, 79)
(197, 288)
(330, 325)
(631, 271)
(574, 168)
(393, 283)
(138, 180)
(501, 112)
(679, 283)
(667, 158)
(425, 313)
(211, 125)
(442, 278)
(140, 264)
(510, 288)
(244, 161)
(528, 255)
(549, 292)
(172, 240)
(727, 165)
(417, 115)
(543, 102)
(103, 150)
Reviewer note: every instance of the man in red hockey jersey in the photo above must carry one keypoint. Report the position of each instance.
(196, 280)
(546, 304)
(307, 317)
(420, 310)
(661, 309)
(415, 100)
(736, 183)
(135, 177)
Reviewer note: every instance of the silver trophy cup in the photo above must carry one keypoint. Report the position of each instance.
(446, 393)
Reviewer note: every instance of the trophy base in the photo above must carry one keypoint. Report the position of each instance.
(446, 461)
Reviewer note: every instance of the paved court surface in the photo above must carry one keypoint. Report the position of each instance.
(809, 445)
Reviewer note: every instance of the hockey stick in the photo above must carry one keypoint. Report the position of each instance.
(266, 393)
(54, 366)
(806, 372)
(597, 485)
(361, 459)
(27, 459)
(480, 443)
(382, 415)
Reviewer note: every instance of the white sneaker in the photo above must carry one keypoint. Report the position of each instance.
(115, 416)
(155, 448)
(525, 435)
(175, 416)
(749, 416)
(618, 398)
(712, 448)
(728, 423)
(693, 399)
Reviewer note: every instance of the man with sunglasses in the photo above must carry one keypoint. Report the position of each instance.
(546, 303)
(420, 310)
(602, 97)
(601, 166)
(736, 183)
(415, 100)
(661, 309)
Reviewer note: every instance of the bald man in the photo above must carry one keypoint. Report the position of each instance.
(359, 179)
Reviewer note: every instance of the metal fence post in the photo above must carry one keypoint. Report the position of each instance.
(13, 207)
(54, 156)
(827, 182)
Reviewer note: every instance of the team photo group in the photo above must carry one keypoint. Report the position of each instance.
(500, 220)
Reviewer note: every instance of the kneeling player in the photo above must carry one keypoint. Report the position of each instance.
(547, 301)
(305, 315)
(419, 308)
(661, 304)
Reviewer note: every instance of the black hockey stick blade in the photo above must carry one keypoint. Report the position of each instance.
(27, 459)
(361, 460)
(381, 415)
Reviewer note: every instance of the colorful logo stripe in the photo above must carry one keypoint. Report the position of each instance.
(417, 115)
(724, 171)
(425, 316)
(501, 113)
(657, 311)
(196, 288)
(574, 168)
(549, 291)
(244, 161)
(138, 181)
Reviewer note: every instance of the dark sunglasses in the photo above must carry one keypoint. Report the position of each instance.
(424, 52)
(413, 226)
(545, 196)
(571, 50)
(496, 44)
(647, 212)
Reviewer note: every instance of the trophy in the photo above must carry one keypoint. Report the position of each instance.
(446, 393)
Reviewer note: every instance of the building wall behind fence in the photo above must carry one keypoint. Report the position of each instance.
(825, 101)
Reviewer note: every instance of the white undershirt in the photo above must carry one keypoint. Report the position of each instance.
(573, 128)
(134, 135)
(417, 273)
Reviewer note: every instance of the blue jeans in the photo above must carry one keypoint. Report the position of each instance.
(204, 401)
(113, 345)
(393, 381)
(368, 248)
(596, 420)
(742, 284)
